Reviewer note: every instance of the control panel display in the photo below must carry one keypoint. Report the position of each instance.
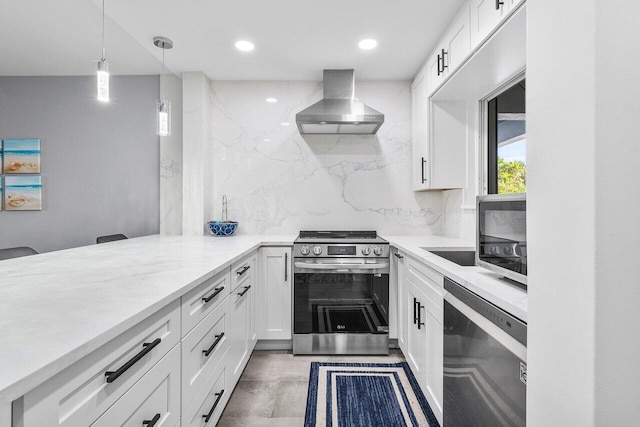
(341, 250)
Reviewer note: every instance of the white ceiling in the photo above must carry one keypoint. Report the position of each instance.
(295, 39)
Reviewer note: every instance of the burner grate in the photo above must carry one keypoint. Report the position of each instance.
(344, 234)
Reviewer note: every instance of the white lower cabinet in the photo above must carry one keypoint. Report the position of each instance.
(416, 334)
(80, 394)
(274, 294)
(242, 322)
(154, 400)
(211, 400)
(202, 351)
(423, 306)
(397, 295)
(199, 302)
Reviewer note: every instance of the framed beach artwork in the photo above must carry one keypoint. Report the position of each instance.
(21, 156)
(23, 193)
(1, 162)
(1, 194)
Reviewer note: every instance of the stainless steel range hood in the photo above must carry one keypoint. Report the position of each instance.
(339, 112)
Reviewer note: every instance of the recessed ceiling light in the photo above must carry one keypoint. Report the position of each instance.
(367, 44)
(244, 45)
(285, 124)
(271, 100)
(266, 140)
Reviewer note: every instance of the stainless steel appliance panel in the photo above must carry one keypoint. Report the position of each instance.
(501, 240)
(484, 366)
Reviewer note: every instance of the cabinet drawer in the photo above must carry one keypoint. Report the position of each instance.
(210, 401)
(202, 351)
(80, 394)
(429, 281)
(155, 396)
(204, 299)
(243, 271)
(414, 265)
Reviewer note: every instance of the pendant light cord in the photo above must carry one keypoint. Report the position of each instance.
(162, 83)
(104, 56)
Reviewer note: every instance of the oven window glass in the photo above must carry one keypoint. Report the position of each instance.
(341, 302)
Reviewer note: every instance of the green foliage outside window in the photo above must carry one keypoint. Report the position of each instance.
(512, 177)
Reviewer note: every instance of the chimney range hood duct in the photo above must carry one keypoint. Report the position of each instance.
(339, 112)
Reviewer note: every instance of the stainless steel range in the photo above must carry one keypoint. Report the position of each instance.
(341, 293)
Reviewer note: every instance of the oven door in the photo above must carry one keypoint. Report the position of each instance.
(341, 296)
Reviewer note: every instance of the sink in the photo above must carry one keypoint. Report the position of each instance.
(465, 258)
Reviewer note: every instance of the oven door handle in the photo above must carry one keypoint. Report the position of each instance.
(318, 266)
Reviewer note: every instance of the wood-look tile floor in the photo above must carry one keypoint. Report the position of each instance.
(272, 390)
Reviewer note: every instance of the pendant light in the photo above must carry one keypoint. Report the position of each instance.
(163, 106)
(103, 69)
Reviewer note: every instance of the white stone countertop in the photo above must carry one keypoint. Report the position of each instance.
(58, 307)
(481, 281)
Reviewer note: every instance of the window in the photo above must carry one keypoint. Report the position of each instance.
(507, 141)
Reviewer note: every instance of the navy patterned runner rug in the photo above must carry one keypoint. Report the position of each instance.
(365, 394)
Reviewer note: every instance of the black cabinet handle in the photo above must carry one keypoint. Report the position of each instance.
(420, 322)
(246, 289)
(148, 346)
(439, 61)
(152, 421)
(444, 65)
(424, 162)
(415, 315)
(213, 408)
(498, 4)
(398, 255)
(213, 295)
(286, 266)
(208, 351)
(243, 270)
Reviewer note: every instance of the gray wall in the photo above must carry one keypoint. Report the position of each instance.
(100, 162)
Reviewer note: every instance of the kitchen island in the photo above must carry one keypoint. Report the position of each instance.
(58, 307)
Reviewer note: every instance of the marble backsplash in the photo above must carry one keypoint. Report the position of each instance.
(278, 181)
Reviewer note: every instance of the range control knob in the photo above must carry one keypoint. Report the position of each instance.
(366, 250)
(304, 250)
(377, 250)
(317, 250)
(495, 250)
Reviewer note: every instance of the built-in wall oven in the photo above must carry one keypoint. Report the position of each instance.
(485, 362)
(341, 293)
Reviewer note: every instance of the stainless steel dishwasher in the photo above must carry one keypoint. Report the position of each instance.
(485, 356)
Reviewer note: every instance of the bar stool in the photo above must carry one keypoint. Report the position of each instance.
(17, 252)
(111, 238)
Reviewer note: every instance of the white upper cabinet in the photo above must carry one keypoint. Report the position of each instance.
(514, 3)
(435, 73)
(439, 141)
(419, 121)
(457, 41)
(451, 51)
(486, 15)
